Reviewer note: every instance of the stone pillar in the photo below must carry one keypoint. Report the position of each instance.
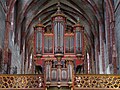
(93, 62)
(114, 51)
(6, 44)
(101, 55)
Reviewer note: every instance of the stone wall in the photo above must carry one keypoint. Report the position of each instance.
(16, 60)
(2, 26)
(117, 28)
(2, 32)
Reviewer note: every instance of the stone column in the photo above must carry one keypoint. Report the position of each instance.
(6, 44)
(101, 57)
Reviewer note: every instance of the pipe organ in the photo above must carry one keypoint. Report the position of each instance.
(79, 39)
(58, 49)
(38, 39)
(58, 27)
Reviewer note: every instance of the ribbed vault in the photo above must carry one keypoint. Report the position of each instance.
(89, 12)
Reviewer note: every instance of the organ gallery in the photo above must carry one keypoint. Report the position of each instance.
(59, 44)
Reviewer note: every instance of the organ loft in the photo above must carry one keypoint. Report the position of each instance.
(59, 50)
(59, 44)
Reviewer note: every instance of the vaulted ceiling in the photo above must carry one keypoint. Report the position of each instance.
(89, 12)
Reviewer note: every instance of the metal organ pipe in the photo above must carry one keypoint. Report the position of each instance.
(69, 72)
(59, 34)
(59, 21)
(39, 28)
(39, 42)
(79, 38)
(48, 71)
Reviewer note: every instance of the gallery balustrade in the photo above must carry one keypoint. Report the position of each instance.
(96, 82)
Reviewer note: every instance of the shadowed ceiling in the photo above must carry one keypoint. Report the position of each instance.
(89, 12)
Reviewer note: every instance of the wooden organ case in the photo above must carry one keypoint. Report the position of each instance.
(58, 50)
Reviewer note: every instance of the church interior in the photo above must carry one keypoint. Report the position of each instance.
(59, 44)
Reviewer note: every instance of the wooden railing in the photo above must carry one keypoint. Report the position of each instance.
(102, 82)
(21, 81)
(80, 82)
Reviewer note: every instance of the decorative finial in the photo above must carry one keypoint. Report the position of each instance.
(78, 20)
(58, 12)
(39, 24)
(39, 19)
(58, 6)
